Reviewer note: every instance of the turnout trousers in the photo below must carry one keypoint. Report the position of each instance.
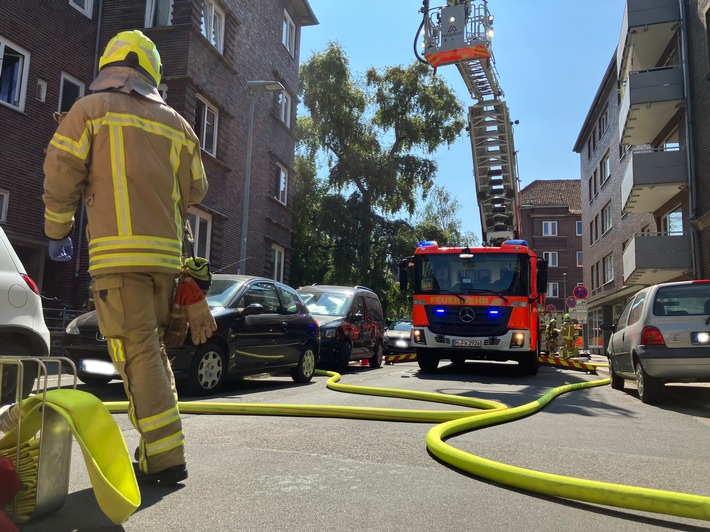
(133, 311)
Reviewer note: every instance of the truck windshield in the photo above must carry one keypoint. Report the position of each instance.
(499, 273)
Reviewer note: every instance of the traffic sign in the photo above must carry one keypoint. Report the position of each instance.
(580, 292)
(550, 308)
(571, 301)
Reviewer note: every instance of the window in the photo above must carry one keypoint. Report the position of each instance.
(579, 228)
(553, 290)
(158, 13)
(201, 224)
(83, 6)
(206, 117)
(4, 203)
(289, 300)
(597, 273)
(606, 218)
(593, 280)
(579, 259)
(278, 264)
(608, 268)
(672, 222)
(603, 121)
(549, 228)
(14, 68)
(595, 182)
(590, 186)
(213, 24)
(70, 91)
(589, 148)
(604, 169)
(289, 34)
(285, 108)
(281, 184)
(551, 258)
(41, 93)
(636, 309)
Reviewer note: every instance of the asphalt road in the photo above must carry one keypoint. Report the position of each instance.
(256, 473)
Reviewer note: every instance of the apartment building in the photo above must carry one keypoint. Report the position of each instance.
(550, 221)
(644, 209)
(225, 63)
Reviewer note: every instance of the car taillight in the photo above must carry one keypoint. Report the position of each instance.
(31, 283)
(652, 336)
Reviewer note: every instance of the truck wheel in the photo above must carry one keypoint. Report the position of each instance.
(428, 362)
(529, 365)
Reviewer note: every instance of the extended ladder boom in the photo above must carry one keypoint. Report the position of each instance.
(460, 33)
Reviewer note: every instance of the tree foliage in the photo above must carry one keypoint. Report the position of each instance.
(374, 138)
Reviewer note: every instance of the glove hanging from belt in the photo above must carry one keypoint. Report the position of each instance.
(192, 301)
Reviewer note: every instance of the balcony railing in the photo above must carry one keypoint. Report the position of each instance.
(652, 178)
(652, 258)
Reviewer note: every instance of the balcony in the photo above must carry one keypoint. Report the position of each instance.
(652, 258)
(652, 178)
(647, 29)
(650, 99)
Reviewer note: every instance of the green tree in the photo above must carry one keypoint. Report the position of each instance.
(376, 139)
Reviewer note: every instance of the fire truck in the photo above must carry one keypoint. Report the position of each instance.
(483, 302)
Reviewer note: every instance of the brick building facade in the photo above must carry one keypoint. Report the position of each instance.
(210, 50)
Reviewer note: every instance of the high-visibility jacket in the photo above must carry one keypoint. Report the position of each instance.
(138, 165)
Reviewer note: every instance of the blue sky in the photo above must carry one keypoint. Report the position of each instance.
(551, 56)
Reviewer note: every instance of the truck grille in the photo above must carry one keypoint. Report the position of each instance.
(468, 321)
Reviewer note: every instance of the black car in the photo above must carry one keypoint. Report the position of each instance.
(263, 326)
(351, 323)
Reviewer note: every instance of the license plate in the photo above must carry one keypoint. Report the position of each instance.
(700, 337)
(467, 343)
(97, 367)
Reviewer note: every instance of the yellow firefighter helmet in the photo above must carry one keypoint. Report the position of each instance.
(135, 50)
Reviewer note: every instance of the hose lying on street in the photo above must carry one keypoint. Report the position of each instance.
(451, 423)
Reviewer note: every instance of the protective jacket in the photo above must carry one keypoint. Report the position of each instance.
(135, 204)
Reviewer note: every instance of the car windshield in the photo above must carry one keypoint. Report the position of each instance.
(400, 326)
(327, 304)
(222, 291)
(683, 300)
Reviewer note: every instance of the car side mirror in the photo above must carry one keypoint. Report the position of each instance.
(253, 309)
(606, 327)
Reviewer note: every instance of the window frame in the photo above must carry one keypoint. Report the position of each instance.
(553, 290)
(579, 228)
(548, 256)
(285, 102)
(608, 267)
(605, 169)
(288, 36)
(151, 13)
(201, 131)
(277, 262)
(65, 77)
(606, 218)
(580, 259)
(281, 182)
(549, 228)
(86, 9)
(213, 20)
(21, 81)
(200, 217)
(4, 204)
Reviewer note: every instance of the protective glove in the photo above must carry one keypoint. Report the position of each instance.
(61, 250)
(201, 321)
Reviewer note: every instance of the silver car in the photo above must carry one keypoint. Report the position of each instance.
(662, 335)
(396, 337)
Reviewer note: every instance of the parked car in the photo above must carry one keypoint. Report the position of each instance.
(397, 337)
(351, 323)
(23, 331)
(662, 335)
(262, 327)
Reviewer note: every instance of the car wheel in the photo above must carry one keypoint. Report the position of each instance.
(617, 382)
(209, 368)
(93, 380)
(649, 387)
(378, 357)
(9, 372)
(427, 361)
(344, 357)
(303, 372)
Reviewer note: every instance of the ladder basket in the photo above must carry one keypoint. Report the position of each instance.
(43, 460)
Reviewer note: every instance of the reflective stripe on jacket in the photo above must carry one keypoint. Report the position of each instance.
(137, 163)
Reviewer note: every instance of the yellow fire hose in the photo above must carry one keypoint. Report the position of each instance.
(116, 490)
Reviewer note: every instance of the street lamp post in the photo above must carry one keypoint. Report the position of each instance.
(564, 286)
(252, 87)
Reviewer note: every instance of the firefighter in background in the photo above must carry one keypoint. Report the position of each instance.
(136, 164)
(569, 336)
(551, 337)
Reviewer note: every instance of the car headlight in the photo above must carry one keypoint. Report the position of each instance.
(327, 333)
(73, 327)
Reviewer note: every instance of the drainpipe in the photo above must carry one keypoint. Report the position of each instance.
(689, 138)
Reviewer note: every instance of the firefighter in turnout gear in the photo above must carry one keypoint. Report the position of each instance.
(136, 165)
(569, 335)
(551, 337)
